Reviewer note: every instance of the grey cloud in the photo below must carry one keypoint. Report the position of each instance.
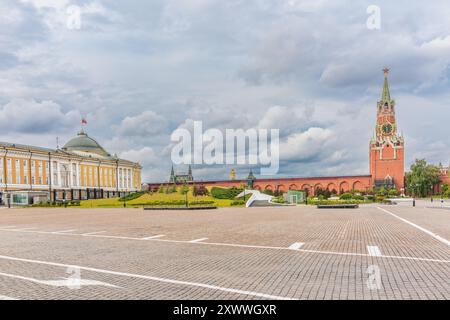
(147, 124)
(30, 116)
(139, 69)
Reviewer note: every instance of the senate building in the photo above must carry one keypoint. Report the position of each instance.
(80, 170)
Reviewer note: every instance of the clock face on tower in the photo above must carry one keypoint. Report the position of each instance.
(387, 128)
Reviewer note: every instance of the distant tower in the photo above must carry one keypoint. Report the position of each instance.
(250, 179)
(172, 176)
(387, 146)
(190, 176)
(232, 174)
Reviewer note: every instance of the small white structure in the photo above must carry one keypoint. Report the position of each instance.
(256, 195)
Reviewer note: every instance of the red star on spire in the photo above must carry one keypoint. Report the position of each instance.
(386, 70)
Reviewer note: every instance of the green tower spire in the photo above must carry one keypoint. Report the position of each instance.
(385, 95)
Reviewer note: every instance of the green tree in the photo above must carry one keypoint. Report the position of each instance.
(422, 178)
(381, 191)
(184, 189)
(445, 190)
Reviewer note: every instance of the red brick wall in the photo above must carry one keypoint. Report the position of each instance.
(380, 168)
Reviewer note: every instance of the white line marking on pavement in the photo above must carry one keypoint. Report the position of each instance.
(437, 237)
(113, 237)
(154, 237)
(64, 231)
(198, 240)
(23, 229)
(296, 245)
(7, 298)
(92, 233)
(6, 227)
(236, 245)
(165, 280)
(374, 251)
(64, 282)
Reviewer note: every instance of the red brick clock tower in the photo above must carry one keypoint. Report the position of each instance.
(387, 146)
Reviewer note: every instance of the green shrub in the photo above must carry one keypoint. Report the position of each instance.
(132, 196)
(184, 189)
(278, 199)
(268, 191)
(393, 192)
(346, 196)
(237, 203)
(325, 202)
(225, 193)
(162, 203)
(201, 202)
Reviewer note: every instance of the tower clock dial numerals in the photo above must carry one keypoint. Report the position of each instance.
(387, 128)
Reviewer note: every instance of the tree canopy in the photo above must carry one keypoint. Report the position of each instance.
(422, 178)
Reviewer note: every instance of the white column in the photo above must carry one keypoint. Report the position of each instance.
(59, 173)
(70, 174)
(78, 175)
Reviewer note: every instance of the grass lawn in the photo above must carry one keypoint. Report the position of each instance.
(148, 199)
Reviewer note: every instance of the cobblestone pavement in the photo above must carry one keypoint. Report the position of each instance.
(386, 252)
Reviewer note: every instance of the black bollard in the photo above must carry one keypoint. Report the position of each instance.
(414, 202)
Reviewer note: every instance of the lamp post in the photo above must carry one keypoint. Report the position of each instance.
(415, 191)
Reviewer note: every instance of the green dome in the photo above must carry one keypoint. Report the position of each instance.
(82, 142)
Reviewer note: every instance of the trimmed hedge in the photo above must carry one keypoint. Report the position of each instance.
(225, 193)
(346, 196)
(132, 196)
(69, 203)
(325, 202)
(201, 202)
(162, 203)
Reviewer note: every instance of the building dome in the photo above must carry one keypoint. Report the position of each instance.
(83, 143)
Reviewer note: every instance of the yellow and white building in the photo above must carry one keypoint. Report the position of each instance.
(80, 170)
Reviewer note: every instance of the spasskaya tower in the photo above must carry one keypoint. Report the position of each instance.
(387, 146)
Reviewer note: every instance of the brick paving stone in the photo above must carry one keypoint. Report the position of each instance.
(300, 274)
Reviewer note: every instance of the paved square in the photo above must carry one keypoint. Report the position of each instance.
(374, 252)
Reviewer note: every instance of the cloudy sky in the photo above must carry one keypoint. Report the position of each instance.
(137, 70)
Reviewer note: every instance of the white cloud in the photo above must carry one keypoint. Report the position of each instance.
(30, 116)
(306, 146)
(231, 64)
(147, 124)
